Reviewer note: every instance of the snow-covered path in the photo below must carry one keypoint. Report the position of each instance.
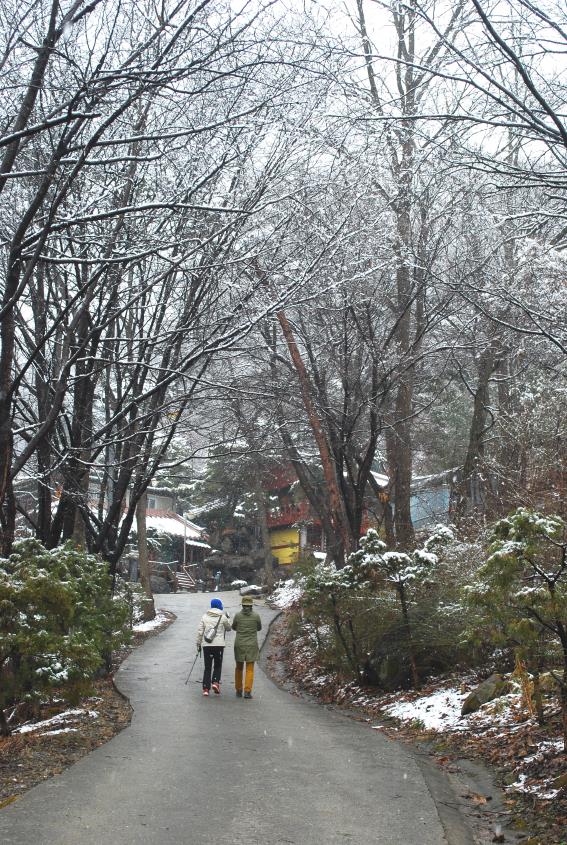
(195, 771)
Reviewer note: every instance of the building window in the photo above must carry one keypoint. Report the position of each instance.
(152, 502)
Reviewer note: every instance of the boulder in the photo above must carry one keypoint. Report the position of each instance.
(492, 688)
(237, 584)
(159, 584)
(391, 673)
(251, 590)
(549, 683)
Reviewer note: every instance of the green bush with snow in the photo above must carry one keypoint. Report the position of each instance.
(519, 594)
(59, 621)
(388, 616)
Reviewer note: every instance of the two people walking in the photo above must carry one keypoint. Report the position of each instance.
(246, 623)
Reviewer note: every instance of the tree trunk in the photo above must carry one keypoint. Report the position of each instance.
(409, 282)
(44, 492)
(340, 633)
(398, 448)
(564, 687)
(538, 698)
(473, 485)
(4, 726)
(143, 558)
(338, 510)
(407, 627)
(264, 531)
(7, 345)
(564, 715)
(79, 536)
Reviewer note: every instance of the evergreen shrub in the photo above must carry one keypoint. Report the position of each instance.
(59, 621)
(391, 618)
(518, 598)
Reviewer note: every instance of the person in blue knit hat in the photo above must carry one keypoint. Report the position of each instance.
(211, 638)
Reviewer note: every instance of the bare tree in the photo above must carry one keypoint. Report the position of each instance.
(127, 249)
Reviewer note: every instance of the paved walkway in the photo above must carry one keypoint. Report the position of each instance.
(222, 770)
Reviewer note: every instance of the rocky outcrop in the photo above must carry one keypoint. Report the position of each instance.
(159, 584)
(235, 567)
(494, 686)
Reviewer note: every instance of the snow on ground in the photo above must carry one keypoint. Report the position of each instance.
(497, 720)
(250, 589)
(545, 748)
(542, 788)
(286, 595)
(159, 619)
(438, 711)
(60, 731)
(60, 719)
(539, 789)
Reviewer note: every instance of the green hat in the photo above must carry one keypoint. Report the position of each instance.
(247, 600)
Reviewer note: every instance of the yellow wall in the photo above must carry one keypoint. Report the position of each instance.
(288, 540)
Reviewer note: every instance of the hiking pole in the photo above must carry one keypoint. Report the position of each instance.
(192, 667)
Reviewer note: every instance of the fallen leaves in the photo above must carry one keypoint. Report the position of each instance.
(7, 801)
(476, 798)
(29, 758)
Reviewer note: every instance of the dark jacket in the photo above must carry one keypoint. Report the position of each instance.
(246, 623)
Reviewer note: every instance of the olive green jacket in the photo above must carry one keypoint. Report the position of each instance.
(246, 626)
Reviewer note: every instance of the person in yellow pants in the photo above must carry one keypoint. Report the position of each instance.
(246, 623)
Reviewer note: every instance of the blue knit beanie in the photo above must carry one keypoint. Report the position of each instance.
(216, 603)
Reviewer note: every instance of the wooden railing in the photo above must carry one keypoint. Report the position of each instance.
(185, 580)
(180, 579)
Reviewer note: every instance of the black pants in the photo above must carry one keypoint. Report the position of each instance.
(212, 655)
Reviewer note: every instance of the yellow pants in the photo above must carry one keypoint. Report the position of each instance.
(249, 679)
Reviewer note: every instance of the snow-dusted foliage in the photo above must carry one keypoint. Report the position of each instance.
(525, 573)
(375, 561)
(58, 619)
(326, 577)
(520, 592)
(286, 593)
(387, 614)
(238, 584)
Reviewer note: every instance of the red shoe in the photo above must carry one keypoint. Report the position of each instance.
(216, 688)
(206, 692)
